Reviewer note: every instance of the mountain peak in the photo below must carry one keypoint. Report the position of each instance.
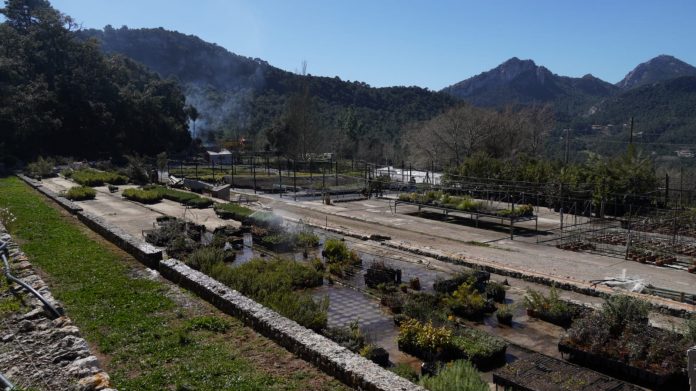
(660, 68)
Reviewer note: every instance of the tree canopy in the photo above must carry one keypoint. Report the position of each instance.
(62, 96)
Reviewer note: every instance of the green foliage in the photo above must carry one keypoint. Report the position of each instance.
(350, 336)
(339, 258)
(80, 193)
(67, 98)
(424, 307)
(424, 336)
(208, 323)
(477, 344)
(690, 330)
(205, 257)
(405, 371)
(276, 284)
(143, 196)
(182, 197)
(621, 310)
(496, 291)
(466, 301)
(456, 376)
(551, 304)
(41, 168)
(232, 211)
(93, 178)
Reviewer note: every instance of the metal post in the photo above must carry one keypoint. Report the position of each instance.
(253, 171)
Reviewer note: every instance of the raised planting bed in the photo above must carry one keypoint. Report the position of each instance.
(142, 196)
(380, 273)
(618, 340)
(653, 377)
(232, 211)
(90, 177)
(80, 193)
(542, 373)
(443, 343)
(182, 197)
(552, 309)
(450, 285)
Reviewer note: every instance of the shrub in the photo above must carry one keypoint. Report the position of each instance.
(504, 314)
(481, 348)
(456, 376)
(621, 310)
(423, 307)
(306, 238)
(143, 196)
(550, 308)
(424, 339)
(466, 301)
(182, 197)
(350, 336)
(339, 258)
(519, 211)
(376, 354)
(495, 291)
(405, 371)
(476, 277)
(80, 193)
(205, 257)
(232, 211)
(93, 178)
(41, 168)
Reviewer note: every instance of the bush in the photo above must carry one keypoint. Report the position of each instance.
(376, 354)
(232, 211)
(205, 257)
(93, 178)
(481, 348)
(424, 307)
(495, 291)
(41, 168)
(457, 376)
(339, 258)
(424, 340)
(350, 337)
(182, 197)
(143, 196)
(199, 203)
(504, 314)
(80, 193)
(466, 302)
(550, 308)
(621, 310)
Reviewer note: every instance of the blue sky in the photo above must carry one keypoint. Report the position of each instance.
(417, 42)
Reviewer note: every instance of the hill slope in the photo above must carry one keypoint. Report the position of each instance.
(241, 95)
(658, 69)
(523, 82)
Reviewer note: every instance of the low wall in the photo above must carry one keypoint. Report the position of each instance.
(327, 355)
(62, 201)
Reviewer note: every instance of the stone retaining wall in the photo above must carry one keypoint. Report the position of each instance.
(59, 357)
(330, 357)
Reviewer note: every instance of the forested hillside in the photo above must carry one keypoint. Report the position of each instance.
(240, 96)
(62, 96)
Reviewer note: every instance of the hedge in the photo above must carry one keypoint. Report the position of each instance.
(143, 196)
(80, 193)
(90, 177)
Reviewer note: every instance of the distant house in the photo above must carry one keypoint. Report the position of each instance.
(219, 158)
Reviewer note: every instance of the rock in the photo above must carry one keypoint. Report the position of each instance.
(100, 381)
(62, 321)
(33, 314)
(7, 338)
(26, 326)
(84, 367)
(65, 331)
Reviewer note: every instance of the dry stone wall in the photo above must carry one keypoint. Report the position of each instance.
(39, 351)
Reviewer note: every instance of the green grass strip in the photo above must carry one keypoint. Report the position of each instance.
(151, 342)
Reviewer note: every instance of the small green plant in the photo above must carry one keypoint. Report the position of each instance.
(339, 258)
(80, 193)
(405, 371)
(143, 196)
(455, 376)
(504, 314)
(205, 257)
(208, 323)
(495, 291)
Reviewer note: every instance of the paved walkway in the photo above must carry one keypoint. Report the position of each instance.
(134, 217)
(376, 216)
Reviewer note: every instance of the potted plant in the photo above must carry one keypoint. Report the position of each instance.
(504, 314)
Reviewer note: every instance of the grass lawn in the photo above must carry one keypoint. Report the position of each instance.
(148, 334)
